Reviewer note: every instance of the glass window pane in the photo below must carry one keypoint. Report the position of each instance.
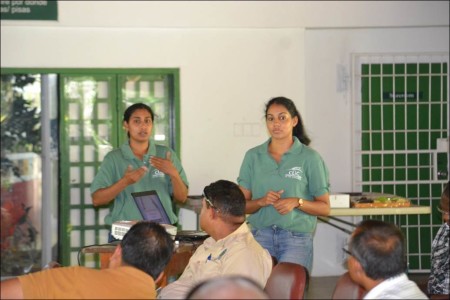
(144, 89)
(102, 89)
(21, 174)
(74, 111)
(74, 196)
(74, 154)
(159, 89)
(103, 111)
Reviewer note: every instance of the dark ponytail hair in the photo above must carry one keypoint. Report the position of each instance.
(299, 129)
(132, 108)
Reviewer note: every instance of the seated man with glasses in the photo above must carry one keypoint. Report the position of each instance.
(377, 262)
(231, 248)
(438, 283)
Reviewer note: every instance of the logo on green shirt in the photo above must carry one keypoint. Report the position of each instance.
(157, 173)
(295, 173)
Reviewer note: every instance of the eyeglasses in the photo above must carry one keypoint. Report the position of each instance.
(442, 211)
(347, 251)
(210, 203)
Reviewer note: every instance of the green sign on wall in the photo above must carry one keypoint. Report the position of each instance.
(29, 10)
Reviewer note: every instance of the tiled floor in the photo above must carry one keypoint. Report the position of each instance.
(322, 287)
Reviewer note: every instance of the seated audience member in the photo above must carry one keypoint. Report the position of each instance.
(228, 287)
(137, 263)
(231, 248)
(377, 262)
(438, 283)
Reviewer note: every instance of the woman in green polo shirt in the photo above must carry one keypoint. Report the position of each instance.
(138, 165)
(286, 186)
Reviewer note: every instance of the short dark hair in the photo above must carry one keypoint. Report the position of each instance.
(380, 249)
(227, 197)
(148, 247)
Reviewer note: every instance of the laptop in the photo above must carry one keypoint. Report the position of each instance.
(191, 235)
(150, 207)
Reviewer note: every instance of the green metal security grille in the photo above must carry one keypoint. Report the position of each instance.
(401, 133)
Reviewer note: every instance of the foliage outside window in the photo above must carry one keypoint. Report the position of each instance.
(20, 173)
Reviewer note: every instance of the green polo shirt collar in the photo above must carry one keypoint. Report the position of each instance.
(296, 147)
(129, 155)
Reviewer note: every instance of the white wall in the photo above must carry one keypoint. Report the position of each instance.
(327, 110)
(223, 89)
(233, 56)
(226, 75)
(328, 114)
(247, 14)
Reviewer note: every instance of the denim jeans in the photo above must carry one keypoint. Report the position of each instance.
(287, 246)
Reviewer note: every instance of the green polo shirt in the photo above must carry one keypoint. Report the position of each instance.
(113, 168)
(301, 173)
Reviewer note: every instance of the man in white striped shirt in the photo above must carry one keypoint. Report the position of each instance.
(439, 281)
(377, 262)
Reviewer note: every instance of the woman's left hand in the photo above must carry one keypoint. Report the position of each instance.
(285, 206)
(164, 165)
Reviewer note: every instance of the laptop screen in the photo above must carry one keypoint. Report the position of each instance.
(150, 206)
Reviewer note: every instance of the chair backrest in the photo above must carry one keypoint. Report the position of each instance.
(346, 288)
(274, 261)
(287, 281)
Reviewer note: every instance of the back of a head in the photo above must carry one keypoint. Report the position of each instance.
(380, 249)
(228, 287)
(227, 197)
(148, 247)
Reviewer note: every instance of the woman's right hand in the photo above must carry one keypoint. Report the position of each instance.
(253, 205)
(105, 195)
(270, 198)
(132, 176)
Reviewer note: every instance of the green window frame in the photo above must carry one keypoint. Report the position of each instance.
(89, 126)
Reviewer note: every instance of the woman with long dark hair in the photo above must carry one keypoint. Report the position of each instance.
(285, 183)
(138, 165)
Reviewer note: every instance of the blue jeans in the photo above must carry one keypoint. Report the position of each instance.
(287, 246)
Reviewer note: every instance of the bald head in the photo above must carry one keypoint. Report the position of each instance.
(380, 249)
